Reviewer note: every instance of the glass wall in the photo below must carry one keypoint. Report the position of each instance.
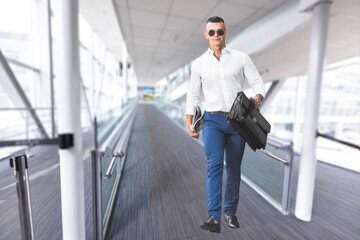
(21, 34)
(16, 43)
(16, 32)
(339, 108)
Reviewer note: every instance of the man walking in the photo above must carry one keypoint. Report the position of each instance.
(216, 78)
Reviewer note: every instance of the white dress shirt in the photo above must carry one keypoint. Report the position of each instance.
(215, 83)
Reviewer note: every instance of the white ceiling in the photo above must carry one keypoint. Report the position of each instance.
(163, 35)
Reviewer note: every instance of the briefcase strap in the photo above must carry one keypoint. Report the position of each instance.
(248, 104)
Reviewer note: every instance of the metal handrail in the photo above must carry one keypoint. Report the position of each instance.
(277, 142)
(119, 151)
(129, 120)
(270, 154)
(318, 134)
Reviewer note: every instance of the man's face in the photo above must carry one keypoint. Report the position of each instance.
(213, 32)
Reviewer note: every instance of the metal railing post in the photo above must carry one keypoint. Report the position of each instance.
(97, 193)
(19, 163)
(287, 180)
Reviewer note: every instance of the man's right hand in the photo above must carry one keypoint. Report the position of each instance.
(189, 120)
(193, 133)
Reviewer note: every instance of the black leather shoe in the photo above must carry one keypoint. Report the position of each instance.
(232, 221)
(211, 225)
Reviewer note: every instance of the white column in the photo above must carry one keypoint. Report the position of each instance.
(68, 101)
(125, 72)
(299, 113)
(307, 171)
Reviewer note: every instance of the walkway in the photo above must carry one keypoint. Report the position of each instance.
(162, 194)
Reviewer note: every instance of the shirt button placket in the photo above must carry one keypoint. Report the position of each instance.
(222, 80)
(221, 73)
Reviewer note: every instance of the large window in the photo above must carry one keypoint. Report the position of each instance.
(16, 31)
(21, 34)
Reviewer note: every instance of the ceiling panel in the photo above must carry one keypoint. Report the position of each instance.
(147, 19)
(181, 25)
(156, 6)
(173, 37)
(233, 13)
(271, 4)
(192, 9)
(141, 42)
(256, 3)
(146, 32)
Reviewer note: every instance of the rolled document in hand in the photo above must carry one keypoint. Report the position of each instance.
(198, 119)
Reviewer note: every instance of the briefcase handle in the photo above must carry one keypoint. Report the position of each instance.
(249, 104)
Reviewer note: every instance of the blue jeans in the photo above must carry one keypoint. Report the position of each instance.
(220, 138)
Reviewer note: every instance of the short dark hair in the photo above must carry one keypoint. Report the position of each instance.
(215, 19)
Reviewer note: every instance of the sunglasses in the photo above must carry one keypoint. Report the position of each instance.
(219, 32)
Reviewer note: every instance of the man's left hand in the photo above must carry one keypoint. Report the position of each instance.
(258, 100)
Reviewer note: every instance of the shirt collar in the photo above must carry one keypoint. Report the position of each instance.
(225, 50)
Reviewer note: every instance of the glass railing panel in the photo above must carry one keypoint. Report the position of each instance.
(107, 121)
(173, 111)
(268, 171)
(263, 171)
(280, 147)
(109, 128)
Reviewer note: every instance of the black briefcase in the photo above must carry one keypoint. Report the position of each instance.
(247, 120)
